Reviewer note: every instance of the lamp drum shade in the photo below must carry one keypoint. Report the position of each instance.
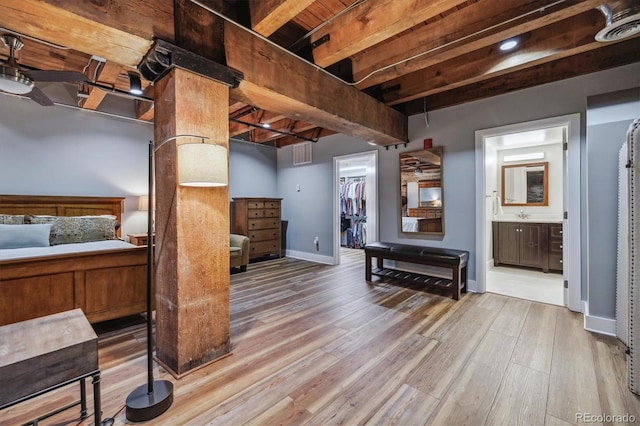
(202, 164)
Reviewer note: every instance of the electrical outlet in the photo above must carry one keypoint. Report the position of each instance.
(316, 241)
(298, 188)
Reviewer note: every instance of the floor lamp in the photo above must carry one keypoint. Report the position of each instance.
(199, 164)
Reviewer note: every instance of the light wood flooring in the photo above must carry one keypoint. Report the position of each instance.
(318, 345)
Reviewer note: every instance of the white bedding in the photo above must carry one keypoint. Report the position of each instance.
(409, 224)
(22, 253)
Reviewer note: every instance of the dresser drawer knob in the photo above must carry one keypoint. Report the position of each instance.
(560, 260)
(560, 245)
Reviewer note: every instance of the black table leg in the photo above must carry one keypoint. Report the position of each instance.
(83, 399)
(97, 408)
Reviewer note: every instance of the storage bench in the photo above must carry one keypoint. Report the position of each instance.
(455, 260)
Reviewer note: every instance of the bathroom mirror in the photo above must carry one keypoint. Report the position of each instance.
(525, 184)
(421, 191)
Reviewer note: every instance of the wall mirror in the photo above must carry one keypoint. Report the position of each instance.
(525, 184)
(421, 191)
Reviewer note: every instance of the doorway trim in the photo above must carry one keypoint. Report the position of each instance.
(571, 224)
(371, 203)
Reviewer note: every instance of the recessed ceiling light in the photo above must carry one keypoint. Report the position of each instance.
(266, 125)
(508, 45)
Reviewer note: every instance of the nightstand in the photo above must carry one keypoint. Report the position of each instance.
(138, 239)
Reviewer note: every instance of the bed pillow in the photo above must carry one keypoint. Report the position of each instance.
(11, 219)
(77, 229)
(19, 236)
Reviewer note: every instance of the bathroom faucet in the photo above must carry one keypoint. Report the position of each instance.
(523, 215)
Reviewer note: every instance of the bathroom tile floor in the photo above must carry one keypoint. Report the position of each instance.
(526, 284)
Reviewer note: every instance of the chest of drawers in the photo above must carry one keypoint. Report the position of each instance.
(260, 220)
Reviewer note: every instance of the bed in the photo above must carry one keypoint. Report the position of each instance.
(106, 280)
(421, 224)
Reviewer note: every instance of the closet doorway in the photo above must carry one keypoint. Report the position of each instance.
(355, 201)
(527, 190)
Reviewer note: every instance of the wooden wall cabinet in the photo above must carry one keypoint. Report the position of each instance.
(528, 244)
(260, 220)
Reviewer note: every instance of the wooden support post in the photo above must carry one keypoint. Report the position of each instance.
(192, 229)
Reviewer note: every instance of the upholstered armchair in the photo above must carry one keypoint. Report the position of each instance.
(239, 251)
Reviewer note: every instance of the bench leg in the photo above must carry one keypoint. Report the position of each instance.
(455, 286)
(367, 267)
(465, 283)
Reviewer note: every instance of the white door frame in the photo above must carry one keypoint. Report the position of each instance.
(372, 201)
(572, 259)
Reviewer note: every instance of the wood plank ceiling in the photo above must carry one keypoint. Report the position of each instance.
(407, 56)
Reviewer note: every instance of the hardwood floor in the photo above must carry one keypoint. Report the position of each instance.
(318, 345)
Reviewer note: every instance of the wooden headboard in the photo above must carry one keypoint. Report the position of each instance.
(61, 205)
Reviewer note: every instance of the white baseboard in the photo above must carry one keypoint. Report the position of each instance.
(472, 286)
(598, 324)
(319, 258)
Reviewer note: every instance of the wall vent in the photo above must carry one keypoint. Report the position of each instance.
(302, 153)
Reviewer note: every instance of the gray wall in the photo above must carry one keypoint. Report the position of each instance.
(252, 170)
(608, 119)
(63, 151)
(310, 211)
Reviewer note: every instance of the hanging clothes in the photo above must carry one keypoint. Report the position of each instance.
(353, 212)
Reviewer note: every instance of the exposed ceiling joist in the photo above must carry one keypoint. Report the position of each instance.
(372, 22)
(487, 23)
(269, 15)
(559, 40)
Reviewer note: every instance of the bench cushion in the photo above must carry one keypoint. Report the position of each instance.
(434, 255)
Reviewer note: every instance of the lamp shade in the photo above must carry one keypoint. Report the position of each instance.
(143, 202)
(202, 164)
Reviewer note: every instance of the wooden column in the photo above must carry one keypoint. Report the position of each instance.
(192, 229)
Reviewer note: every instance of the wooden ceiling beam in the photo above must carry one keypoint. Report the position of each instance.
(52, 21)
(464, 31)
(561, 39)
(267, 16)
(370, 23)
(314, 133)
(145, 110)
(107, 76)
(286, 125)
(308, 93)
(602, 58)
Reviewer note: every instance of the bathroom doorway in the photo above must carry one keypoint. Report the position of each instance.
(523, 171)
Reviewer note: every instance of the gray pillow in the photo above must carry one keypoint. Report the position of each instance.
(19, 236)
(11, 219)
(78, 229)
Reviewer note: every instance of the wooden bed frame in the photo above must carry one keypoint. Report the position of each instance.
(104, 284)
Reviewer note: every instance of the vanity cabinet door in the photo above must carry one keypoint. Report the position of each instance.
(508, 243)
(532, 243)
(521, 244)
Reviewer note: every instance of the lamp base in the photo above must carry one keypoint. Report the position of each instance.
(143, 406)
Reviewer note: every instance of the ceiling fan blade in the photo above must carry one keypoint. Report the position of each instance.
(56, 76)
(39, 96)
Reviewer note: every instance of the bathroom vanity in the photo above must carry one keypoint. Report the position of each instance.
(529, 244)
